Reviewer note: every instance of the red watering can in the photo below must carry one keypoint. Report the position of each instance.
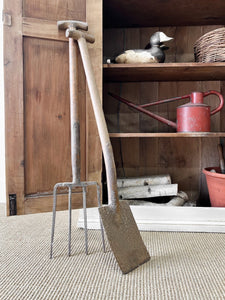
(193, 116)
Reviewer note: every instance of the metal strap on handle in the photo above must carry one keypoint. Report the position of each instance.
(74, 111)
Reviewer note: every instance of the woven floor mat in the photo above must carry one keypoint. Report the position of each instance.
(182, 265)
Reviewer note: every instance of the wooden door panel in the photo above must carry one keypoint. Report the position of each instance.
(47, 115)
(55, 10)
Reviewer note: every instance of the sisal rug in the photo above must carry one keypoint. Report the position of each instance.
(182, 266)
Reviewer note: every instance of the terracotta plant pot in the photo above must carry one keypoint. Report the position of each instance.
(216, 186)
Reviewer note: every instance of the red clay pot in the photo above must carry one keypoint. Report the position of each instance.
(216, 186)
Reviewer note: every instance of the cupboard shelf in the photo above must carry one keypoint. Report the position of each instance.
(142, 13)
(168, 134)
(163, 72)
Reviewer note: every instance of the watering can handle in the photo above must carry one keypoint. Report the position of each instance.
(221, 101)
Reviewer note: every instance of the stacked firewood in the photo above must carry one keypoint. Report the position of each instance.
(150, 188)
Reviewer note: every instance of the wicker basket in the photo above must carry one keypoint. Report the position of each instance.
(211, 46)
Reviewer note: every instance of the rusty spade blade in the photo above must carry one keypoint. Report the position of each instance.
(123, 236)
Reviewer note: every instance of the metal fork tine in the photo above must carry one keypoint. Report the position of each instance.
(85, 219)
(69, 207)
(101, 226)
(53, 218)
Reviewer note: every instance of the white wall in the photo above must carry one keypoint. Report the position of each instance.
(2, 119)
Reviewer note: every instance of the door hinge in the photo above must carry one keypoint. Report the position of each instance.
(12, 205)
(6, 19)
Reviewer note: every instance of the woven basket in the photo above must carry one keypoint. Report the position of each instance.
(211, 46)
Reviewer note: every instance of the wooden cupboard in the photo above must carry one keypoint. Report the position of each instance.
(37, 103)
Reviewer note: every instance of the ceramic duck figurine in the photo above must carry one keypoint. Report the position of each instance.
(155, 54)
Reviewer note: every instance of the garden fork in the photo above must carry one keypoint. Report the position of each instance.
(75, 146)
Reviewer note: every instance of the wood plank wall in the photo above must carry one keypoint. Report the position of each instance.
(182, 158)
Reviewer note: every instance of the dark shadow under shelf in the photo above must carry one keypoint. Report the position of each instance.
(163, 72)
(142, 13)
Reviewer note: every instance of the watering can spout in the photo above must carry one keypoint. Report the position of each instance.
(143, 110)
(193, 116)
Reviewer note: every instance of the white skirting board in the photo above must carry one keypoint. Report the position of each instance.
(190, 219)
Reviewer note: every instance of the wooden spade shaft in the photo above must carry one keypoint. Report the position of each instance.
(101, 124)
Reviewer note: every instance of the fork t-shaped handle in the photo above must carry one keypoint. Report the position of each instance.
(72, 30)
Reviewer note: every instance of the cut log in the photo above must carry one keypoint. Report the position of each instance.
(147, 180)
(178, 200)
(147, 191)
